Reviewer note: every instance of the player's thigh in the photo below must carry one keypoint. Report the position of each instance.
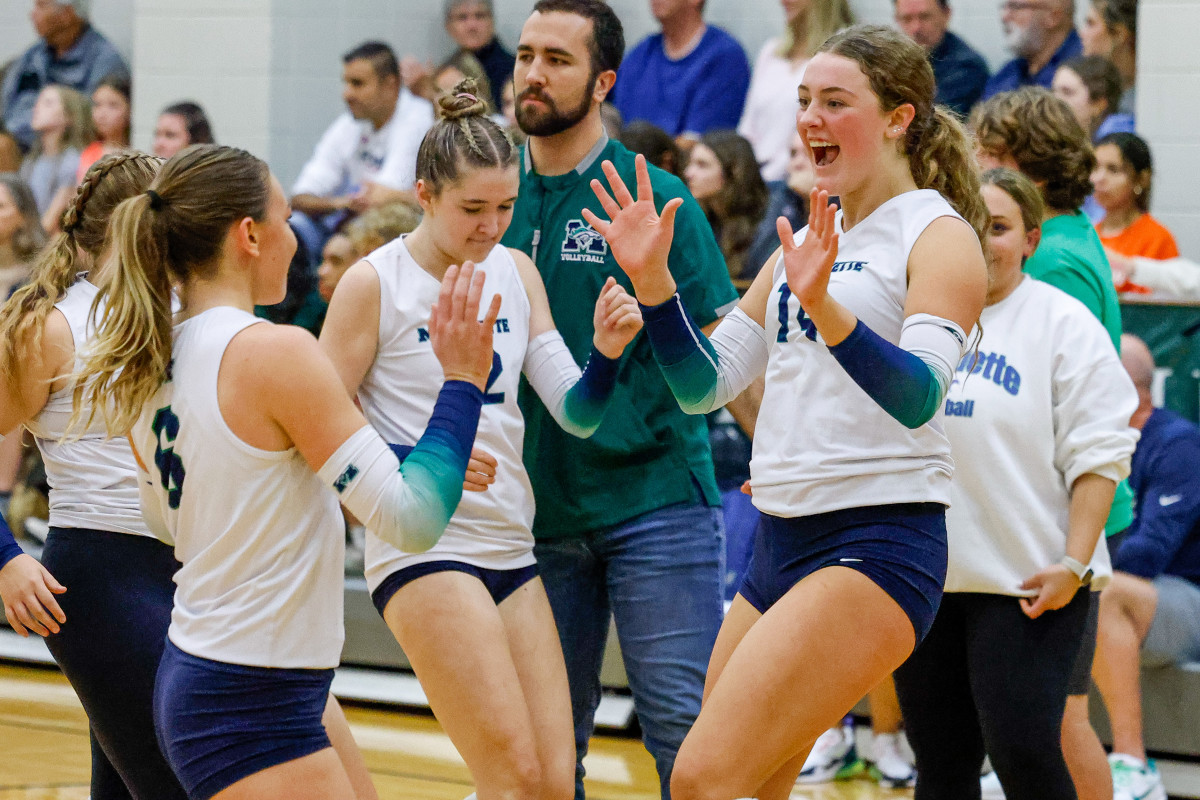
(738, 621)
(795, 672)
(318, 776)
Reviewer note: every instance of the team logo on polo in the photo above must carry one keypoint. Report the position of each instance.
(582, 243)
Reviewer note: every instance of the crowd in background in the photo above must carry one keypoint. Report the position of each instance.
(691, 100)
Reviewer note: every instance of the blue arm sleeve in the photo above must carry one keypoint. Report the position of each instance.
(1169, 510)
(687, 359)
(9, 549)
(901, 383)
(442, 452)
(587, 400)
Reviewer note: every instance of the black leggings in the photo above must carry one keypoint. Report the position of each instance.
(118, 606)
(989, 679)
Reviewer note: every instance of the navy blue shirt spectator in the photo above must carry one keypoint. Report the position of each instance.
(1016, 74)
(688, 80)
(1165, 535)
(498, 64)
(69, 52)
(960, 72)
(781, 202)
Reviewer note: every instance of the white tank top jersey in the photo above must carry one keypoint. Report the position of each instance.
(93, 480)
(491, 529)
(823, 443)
(261, 539)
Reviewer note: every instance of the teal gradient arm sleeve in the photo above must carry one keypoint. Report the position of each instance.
(409, 505)
(901, 383)
(577, 400)
(705, 374)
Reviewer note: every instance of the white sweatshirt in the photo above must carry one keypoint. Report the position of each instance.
(1046, 401)
(351, 151)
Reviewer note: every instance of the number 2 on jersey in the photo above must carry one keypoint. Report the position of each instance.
(170, 465)
(806, 324)
(489, 397)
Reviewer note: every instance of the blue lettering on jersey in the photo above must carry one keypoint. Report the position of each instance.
(171, 472)
(349, 474)
(502, 325)
(422, 335)
(965, 408)
(848, 266)
(583, 243)
(992, 367)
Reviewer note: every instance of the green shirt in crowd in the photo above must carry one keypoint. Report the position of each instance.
(647, 454)
(1071, 258)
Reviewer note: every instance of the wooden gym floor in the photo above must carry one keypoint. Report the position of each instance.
(44, 752)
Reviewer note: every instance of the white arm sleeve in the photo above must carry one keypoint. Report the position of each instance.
(407, 514)
(742, 350)
(1178, 277)
(939, 342)
(552, 371)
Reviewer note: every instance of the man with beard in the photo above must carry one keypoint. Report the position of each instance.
(1041, 34)
(628, 522)
(368, 156)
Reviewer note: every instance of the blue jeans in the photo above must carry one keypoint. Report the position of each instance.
(659, 575)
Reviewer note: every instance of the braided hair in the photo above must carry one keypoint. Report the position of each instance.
(84, 230)
(465, 136)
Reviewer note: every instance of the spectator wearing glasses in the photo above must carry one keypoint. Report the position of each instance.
(1041, 35)
(959, 69)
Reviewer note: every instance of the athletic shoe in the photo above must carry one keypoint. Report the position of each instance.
(833, 757)
(1134, 779)
(888, 765)
(989, 786)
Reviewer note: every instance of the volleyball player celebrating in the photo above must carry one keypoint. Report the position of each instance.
(243, 425)
(499, 686)
(850, 468)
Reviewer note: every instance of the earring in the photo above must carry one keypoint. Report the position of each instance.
(1137, 190)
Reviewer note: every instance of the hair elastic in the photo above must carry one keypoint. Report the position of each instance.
(156, 201)
(468, 95)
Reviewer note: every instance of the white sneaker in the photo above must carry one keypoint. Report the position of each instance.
(833, 757)
(888, 765)
(1134, 779)
(989, 786)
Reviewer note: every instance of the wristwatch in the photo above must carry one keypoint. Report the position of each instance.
(1081, 571)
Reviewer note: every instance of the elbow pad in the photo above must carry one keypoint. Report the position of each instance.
(577, 400)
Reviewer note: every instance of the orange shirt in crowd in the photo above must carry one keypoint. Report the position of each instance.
(1145, 237)
(90, 155)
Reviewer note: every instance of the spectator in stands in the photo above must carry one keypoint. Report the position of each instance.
(1122, 179)
(1033, 131)
(1041, 35)
(62, 121)
(960, 71)
(1110, 30)
(180, 125)
(368, 156)
(1091, 86)
(21, 234)
(655, 144)
(723, 177)
(688, 79)
(1150, 613)
(458, 68)
(769, 119)
(786, 198)
(69, 52)
(337, 257)
(472, 26)
(378, 226)
(111, 105)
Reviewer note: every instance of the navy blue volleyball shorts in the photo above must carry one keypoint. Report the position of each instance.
(500, 583)
(218, 723)
(901, 547)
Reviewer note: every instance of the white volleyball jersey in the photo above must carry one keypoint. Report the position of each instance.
(93, 479)
(491, 529)
(822, 443)
(1045, 401)
(260, 537)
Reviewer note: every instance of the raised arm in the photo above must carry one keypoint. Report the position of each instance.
(576, 399)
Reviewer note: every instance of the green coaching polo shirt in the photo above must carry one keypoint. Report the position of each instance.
(647, 454)
(1071, 258)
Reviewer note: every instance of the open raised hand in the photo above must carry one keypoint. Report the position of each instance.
(810, 263)
(617, 319)
(640, 237)
(461, 341)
